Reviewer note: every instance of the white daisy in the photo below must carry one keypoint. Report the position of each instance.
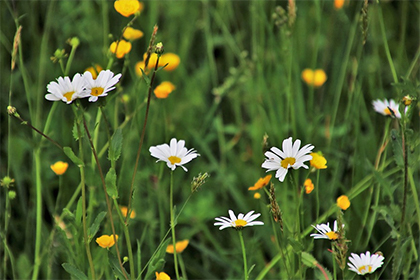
(174, 154)
(101, 85)
(325, 231)
(66, 90)
(365, 263)
(384, 107)
(291, 156)
(240, 222)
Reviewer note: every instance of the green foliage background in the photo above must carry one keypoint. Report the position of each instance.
(239, 78)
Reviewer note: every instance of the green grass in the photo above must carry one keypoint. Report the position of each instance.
(239, 79)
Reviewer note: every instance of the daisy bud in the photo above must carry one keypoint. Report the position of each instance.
(159, 48)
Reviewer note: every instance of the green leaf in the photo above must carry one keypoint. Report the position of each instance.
(397, 148)
(297, 246)
(95, 226)
(319, 275)
(69, 152)
(78, 220)
(308, 259)
(158, 261)
(114, 150)
(74, 271)
(111, 183)
(115, 265)
(145, 77)
(74, 131)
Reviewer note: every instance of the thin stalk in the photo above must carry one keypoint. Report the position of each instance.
(243, 254)
(317, 194)
(38, 227)
(171, 205)
(82, 182)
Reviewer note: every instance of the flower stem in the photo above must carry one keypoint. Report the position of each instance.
(171, 205)
(38, 227)
(243, 254)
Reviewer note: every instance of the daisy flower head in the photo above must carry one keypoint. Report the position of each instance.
(175, 154)
(104, 83)
(291, 156)
(325, 231)
(385, 107)
(65, 89)
(240, 222)
(365, 263)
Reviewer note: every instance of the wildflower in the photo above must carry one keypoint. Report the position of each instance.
(124, 210)
(164, 89)
(179, 246)
(257, 195)
(309, 186)
(131, 34)
(365, 263)
(318, 161)
(240, 222)
(343, 202)
(315, 78)
(338, 4)
(162, 276)
(94, 70)
(59, 167)
(159, 49)
(106, 241)
(175, 154)
(261, 183)
(407, 100)
(171, 59)
(325, 231)
(102, 85)
(385, 107)
(66, 90)
(120, 48)
(128, 7)
(7, 182)
(291, 156)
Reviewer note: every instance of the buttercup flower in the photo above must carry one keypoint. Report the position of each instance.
(124, 210)
(171, 59)
(261, 183)
(120, 48)
(315, 78)
(343, 202)
(338, 4)
(132, 34)
(240, 222)
(179, 246)
(383, 107)
(162, 276)
(318, 161)
(59, 167)
(94, 70)
(365, 263)
(325, 231)
(66, 90)
(309, 186)
(175, 154)
(257, 195)
(164, 89)
(106, 241)
(102, 85)
(128, 7)
(291, 156)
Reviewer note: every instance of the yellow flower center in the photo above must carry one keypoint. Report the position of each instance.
(332, 235)
(387, 111)
(287, 161)
(68, 95)
(96, 91)
(174, 159)
(363, 269)
(240, 223)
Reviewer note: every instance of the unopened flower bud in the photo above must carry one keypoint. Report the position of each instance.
(74, 42)
(159, 48)
(11, 110)
(12, 194)
(407, 100)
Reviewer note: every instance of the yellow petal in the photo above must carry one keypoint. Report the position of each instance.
(59, 167)
(128, 7)
(132, 34)
(343, 202)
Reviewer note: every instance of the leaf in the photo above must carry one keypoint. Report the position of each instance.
(115, 265)
(95, 226)
(397, 148)
(319, 275)
(114, 150)
(145, 77)
(74, 271)
(308, 260)
(69, 152)
(297, 246)
(157, 261)
(74, 131)
(111, 183)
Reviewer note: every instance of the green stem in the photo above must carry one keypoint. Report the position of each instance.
(171, 205)
(38, 228)
(243, 254)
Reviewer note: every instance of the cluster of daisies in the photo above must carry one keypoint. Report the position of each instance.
(82, 86)
(291, 156)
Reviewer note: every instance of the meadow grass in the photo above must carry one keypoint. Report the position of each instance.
(239, 92)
